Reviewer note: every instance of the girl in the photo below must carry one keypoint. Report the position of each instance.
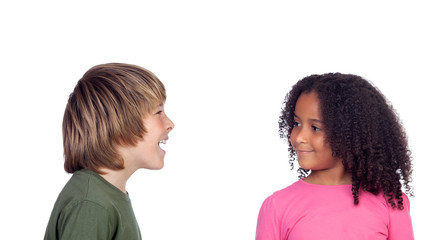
(353, 162)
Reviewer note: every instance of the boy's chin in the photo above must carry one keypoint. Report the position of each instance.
(155, 166)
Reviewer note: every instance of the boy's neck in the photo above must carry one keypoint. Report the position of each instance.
(118, 178)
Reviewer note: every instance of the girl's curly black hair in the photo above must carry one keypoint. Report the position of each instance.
(362, 129)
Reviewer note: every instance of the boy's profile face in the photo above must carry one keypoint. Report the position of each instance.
(147, 153)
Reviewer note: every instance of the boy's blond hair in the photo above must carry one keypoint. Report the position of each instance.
(106, 109)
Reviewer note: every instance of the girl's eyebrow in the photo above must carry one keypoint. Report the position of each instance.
(316, 120)
(312, 120)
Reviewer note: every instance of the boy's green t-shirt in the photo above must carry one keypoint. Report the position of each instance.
(89, 207)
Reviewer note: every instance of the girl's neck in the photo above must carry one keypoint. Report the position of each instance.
(327, 178)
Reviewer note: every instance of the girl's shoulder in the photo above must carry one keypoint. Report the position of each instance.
(303, 191)
(289, 191)
(301, 187)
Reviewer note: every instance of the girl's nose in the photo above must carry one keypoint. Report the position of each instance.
(301, 136)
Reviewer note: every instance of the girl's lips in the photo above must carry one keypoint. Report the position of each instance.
(304, 152)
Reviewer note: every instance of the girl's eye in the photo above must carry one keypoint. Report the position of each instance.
(316, 128)
(296, 124)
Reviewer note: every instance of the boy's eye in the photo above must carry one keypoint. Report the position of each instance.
(158, 112)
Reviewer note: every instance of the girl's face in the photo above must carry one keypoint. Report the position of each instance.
(308, 136)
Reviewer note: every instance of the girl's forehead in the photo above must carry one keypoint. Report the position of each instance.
(307, 104)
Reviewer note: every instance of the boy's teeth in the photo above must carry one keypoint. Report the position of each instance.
(162, 141)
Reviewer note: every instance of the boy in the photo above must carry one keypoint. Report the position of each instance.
(113, 124)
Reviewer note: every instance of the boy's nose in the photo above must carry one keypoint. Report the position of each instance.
(170, 125)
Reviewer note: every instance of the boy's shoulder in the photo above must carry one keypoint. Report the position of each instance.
(88, 202)
(87, 186)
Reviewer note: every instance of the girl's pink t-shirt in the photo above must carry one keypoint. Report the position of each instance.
(321, 212)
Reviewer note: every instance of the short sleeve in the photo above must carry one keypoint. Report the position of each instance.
(85, 220)
(400, 224)
(268, 227)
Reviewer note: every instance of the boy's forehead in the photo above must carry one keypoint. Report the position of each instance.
(157, 105)
(157, 102)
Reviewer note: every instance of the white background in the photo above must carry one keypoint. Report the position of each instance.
(227, 66)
